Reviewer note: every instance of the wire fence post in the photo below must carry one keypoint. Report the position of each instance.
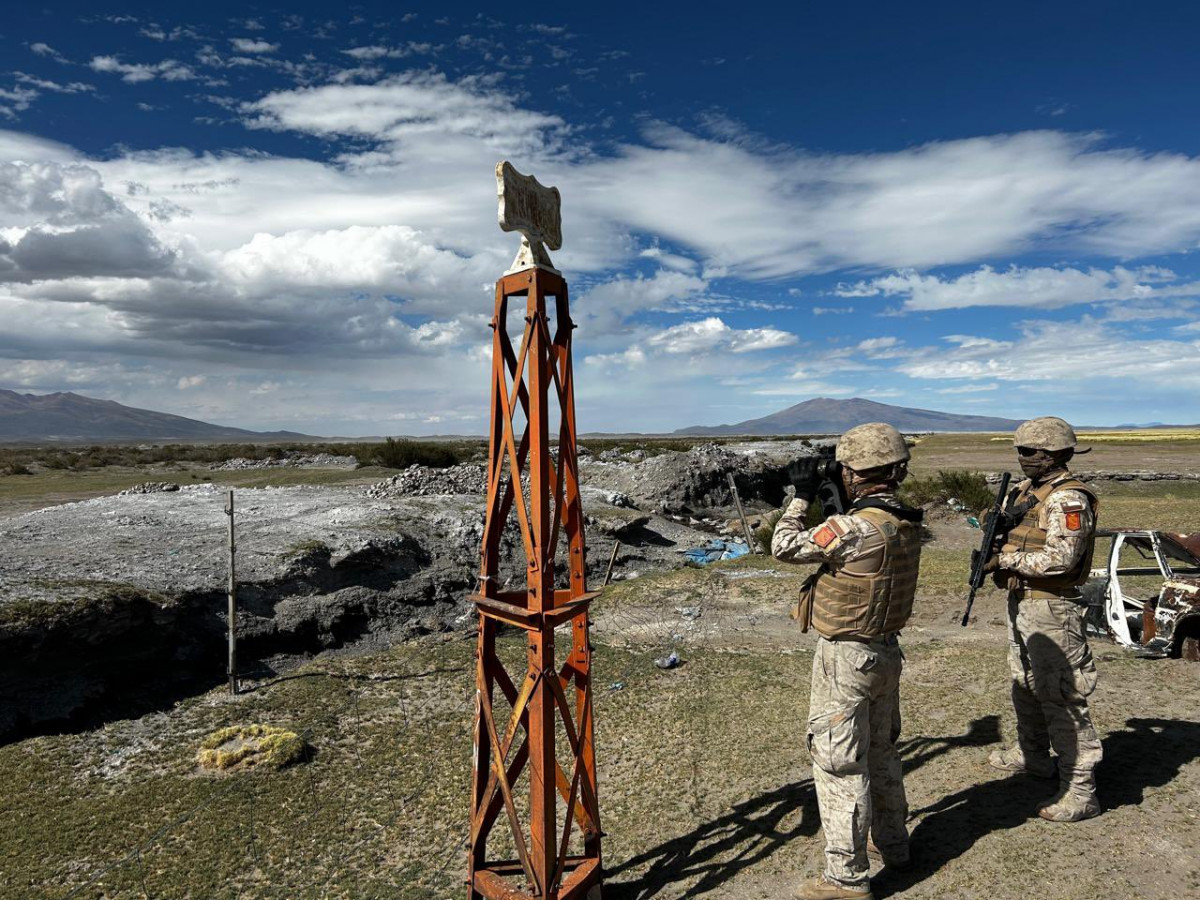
(750, 545)
(232, 591)
(612, 559)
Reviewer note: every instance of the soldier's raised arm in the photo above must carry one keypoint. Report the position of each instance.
(837, 540)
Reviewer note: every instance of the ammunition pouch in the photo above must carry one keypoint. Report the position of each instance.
(802, 612)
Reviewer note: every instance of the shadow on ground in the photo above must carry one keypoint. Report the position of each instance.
(717, 851)
(1146, 753)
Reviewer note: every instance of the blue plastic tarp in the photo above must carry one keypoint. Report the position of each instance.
(714, 550)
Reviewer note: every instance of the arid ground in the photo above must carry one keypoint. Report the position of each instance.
(705, 786)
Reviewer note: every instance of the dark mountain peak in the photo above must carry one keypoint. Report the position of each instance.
(67, 417)
(828, 415)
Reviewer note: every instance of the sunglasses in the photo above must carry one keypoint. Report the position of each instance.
(1030, 451)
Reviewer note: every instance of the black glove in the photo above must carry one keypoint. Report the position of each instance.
(803, 474)
(1005, 521)
(992, 564)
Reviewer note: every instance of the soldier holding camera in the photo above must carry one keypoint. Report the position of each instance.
(858, 600)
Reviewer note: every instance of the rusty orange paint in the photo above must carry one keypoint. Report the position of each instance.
(531, 385)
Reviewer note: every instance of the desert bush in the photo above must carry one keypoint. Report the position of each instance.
(57, 460)
(393, 453)
(968, 488)
(17, 468)
(402, 453)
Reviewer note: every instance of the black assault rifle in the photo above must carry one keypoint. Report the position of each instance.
(992, 528)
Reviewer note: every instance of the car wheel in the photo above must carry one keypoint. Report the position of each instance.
(1190, 649)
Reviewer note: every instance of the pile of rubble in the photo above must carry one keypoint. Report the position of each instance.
(150, 487)
(680, 483)
(422, 481)
(291, 459)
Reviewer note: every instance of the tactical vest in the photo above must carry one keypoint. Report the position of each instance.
(873, 596)
(1028, 535)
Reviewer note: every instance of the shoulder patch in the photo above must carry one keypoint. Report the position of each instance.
(1074, 519)
(824, 536)
(833, 530)
(1069, 506)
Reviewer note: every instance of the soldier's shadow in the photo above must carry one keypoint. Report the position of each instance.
(716, 851)
(1146, 753)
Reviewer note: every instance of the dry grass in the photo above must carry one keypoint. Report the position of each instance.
(1115, 452)
(248, 746)
(705, 786)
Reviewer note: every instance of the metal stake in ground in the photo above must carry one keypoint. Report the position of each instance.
(232, 596)
(520, 717)
(741, 514)
(611, 561)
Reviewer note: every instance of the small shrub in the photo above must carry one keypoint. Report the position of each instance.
(968, 488)
(402, 453)
(250, 745)
(57, 460)
(17, 469)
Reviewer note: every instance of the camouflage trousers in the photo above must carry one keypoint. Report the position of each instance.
(1052, 675)
(853, 723)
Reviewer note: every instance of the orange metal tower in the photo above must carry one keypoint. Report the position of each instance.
(534, 735)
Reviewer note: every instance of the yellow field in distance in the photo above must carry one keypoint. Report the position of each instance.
(1130, 437)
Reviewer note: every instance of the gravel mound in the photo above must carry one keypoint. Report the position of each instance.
(150, 487)
(423, 481)
(292, 459)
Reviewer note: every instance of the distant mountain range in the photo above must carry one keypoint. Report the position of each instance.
(70, 418)
(824, 415)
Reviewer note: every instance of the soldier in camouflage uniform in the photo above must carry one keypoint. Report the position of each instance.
(1046, 556)
(858, 600)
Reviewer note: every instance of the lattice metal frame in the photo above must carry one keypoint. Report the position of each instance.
(528, 380)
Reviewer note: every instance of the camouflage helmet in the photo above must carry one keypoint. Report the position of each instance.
(1045, 433)
(871, 446)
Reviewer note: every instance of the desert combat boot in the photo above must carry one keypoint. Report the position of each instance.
(1076, 802)
(821, 888)
(1015, 761)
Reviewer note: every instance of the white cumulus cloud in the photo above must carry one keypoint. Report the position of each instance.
(252, 45)
(1042, 287)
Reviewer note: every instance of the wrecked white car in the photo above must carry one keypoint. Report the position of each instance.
(1147, 595)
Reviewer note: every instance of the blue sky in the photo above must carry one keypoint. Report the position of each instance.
(285, 218)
